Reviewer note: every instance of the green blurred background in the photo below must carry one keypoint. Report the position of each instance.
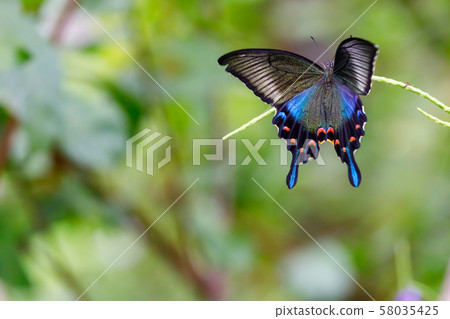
(70, 98)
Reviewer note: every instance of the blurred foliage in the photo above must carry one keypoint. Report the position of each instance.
(70, 97)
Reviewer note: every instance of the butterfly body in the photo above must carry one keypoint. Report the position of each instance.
(313, 104)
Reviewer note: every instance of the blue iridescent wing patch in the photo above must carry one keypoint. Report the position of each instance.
(340, 120)
(314, 104)
(348, 135)
(294, 120)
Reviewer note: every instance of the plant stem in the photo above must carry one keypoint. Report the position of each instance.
(438, 121)
(62, 21)
(250, 123)
(413, 89)
(405, 86)
(6, 140)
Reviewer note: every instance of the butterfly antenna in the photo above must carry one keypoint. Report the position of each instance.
(314, 40)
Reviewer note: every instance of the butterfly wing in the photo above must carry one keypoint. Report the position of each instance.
(326, 111)
(346, 112)
(297, 121)
(275, 76)
(287, 81)
(354, 64)
(353, 69)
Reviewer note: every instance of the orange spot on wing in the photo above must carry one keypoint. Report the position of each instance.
(357, 126)
(312, 143)
(336, 142)
(320, 131)
(287, 129)
(330, 130)
(293, 141)
(352, 139)
(344, 150)
(301, 150)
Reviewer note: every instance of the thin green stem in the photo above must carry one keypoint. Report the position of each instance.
(438, 121)
(250, 123)
(405, 86)
(413, 89)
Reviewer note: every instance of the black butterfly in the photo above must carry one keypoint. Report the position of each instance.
(313, 103)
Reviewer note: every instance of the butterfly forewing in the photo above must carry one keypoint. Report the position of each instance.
(354, 64)
(275, 76)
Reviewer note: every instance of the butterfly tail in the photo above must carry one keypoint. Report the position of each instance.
(354, 175)
(310, 148)
(292, 176)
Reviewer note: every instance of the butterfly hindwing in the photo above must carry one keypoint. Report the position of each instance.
(323, 112)
(349, 131)
(295, 120)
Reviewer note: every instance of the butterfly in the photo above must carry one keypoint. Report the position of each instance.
(313, 103)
